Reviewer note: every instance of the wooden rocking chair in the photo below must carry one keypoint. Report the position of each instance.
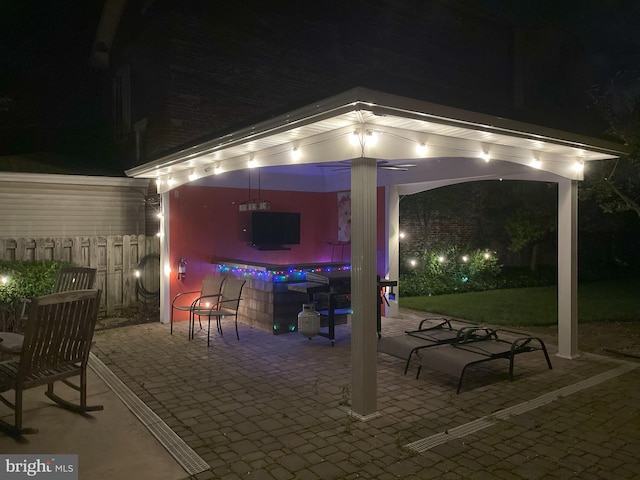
(67, 279)
(57, 340)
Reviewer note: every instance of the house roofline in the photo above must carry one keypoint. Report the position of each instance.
(379, 103)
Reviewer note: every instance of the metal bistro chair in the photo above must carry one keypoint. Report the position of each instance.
(67, 279)
(208, 298)
(229, 304)
(56, 347)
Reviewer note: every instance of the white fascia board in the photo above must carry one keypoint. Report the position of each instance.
(461, 132)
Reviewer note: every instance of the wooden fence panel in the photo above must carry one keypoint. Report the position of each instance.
(116, 258)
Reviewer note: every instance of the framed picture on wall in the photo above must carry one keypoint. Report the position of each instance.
(344, 216)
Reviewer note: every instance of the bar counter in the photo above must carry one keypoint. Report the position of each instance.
(267, 303)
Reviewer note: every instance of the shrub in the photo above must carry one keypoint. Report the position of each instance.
(20, 280)
(449, 269)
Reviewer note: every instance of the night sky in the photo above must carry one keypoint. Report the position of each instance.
(50, 92)
(49, 95)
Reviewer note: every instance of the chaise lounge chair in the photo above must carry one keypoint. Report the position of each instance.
(454, 359)
(431, 332)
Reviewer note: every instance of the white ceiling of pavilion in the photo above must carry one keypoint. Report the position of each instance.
(447, 145)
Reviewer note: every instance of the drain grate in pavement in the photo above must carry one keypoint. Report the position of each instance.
(184, 455)
(443, 437)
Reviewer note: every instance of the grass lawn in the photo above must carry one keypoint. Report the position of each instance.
(607, 301)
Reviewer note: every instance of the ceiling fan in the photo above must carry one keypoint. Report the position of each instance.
(383, 164)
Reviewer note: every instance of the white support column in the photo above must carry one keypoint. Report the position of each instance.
(393, 246)
(568, 268)
(363, 289)
(165, 261)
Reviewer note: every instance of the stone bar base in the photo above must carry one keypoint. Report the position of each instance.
(266, 302)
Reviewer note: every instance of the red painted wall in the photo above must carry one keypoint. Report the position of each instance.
(205, 223)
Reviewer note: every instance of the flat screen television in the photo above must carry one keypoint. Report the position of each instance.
(275, 229)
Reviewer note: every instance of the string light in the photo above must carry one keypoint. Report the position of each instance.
(578, 166)
(536, 162)
(372, 138)
(296, 154)
(276, 276)
(421, 149)
(193, 176)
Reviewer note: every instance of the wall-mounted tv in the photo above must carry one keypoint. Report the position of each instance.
(271, 230)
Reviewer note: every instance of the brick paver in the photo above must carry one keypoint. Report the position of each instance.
(273, 407)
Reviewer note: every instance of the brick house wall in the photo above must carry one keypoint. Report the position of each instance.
(200, 67)
(461, 215)
(452, 214)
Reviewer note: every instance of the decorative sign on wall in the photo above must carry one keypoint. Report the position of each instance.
(344, 217)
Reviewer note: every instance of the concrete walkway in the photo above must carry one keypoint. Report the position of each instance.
(111, 444)
(276, 407)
